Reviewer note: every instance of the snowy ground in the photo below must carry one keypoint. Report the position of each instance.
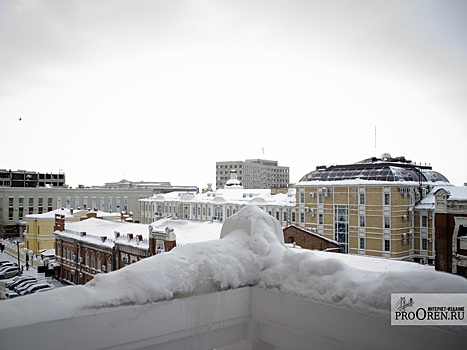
(251, 251)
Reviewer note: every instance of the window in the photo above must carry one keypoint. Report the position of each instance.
(277, 215)
(362, 243)
(387, 199)
(424, 221)
(341, 226)
(31, 205)
(302, 197)
(293, 216)
(302, 218)
(424, 244)
(362, 221)
(320, 198)
(321, 219)
(387, 222)
(387, 245)
(361, 200)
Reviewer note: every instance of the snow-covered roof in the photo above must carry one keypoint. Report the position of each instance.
(374, 169)
(99, 227)
(187, 231)
(96, 229)
(51, 214)
(363, 182)
(232, 195)
(312, 234)
(70, 214)
(454, 193)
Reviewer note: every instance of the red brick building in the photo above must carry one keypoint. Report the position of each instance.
(451, 229)
(86, 248)
(308, 239)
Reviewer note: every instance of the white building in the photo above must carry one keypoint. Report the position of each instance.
(219, 204)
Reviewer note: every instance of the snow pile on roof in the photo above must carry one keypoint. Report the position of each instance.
(99, 227)
(251, 252)
(188, 231)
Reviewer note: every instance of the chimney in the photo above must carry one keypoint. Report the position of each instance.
(170, 240)
(152, 241)
(117, 234)
(59, 222)
(103, 239)
(130, 237)
(71, 211)
(82, 234)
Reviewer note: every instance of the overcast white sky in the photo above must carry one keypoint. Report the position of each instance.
(161, 90)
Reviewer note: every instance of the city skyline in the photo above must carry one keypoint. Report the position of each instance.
(160, 91)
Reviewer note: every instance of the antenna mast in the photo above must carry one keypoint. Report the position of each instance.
(375, 136)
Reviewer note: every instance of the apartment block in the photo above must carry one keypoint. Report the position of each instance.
(254, 173)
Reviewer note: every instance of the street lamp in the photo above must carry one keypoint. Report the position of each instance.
(19, 263)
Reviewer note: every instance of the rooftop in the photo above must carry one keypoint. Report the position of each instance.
(386, 168)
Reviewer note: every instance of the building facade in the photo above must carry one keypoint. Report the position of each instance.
(370, 207)
(16, 203)
(254, 173)
(451, 229)
(157, 187)
(39, 231)
(23, 178)
(220, 204)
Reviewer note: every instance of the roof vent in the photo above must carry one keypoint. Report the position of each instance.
(386, 156)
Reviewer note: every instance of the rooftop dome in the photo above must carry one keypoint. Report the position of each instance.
(233, 181)
(377, 169)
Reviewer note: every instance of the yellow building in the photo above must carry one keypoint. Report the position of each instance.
(370, 207)
(39, 236)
